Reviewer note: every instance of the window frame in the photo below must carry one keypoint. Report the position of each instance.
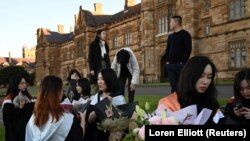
(237, 52)
(236, 9)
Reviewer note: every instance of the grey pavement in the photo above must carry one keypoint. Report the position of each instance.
(225, 91)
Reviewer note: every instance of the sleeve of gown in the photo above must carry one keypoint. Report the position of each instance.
(76, 132)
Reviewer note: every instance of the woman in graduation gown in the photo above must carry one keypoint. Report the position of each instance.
(49, 121)
(17, 108)
(108, 85)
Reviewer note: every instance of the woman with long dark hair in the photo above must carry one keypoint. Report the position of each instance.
(237, 110)
(109, 86)
(196, 86)
(17, 108)
(98, 58)
(74, 76)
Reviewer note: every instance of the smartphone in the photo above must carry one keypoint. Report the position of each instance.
(238, 105)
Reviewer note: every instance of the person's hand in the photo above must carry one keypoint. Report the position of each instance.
(238, 111)
(132, 87)
(83, 117)
(246, 112)
(109, 97)
(118, 135)
(92, 72)
(22, 102)
(83, 122)
(73, 76)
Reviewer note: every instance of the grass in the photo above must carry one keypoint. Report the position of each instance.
(2, 132)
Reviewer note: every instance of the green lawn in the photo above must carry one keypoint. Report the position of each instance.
(2, 132)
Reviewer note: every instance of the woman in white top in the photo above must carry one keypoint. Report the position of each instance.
(49, 121)
(108, 85)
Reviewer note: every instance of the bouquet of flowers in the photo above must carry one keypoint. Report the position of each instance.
(111, 119)
(162, 116)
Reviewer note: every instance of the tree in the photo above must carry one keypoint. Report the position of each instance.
(8, 72)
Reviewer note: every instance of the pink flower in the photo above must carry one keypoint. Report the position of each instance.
(170, 121)
(142, 132)
(155, 120)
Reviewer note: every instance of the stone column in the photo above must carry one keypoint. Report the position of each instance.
(147, 41)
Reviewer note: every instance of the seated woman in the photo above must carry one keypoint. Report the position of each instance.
(72, 79)
(237, 110)
(83, 91)
(49, 121)
(196, 86)
(17, 108)
(108, 85)
(82, 95)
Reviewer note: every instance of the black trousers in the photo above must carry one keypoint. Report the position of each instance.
(122, 84)
(174, 71)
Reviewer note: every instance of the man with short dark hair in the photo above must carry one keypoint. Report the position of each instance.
(179, 47)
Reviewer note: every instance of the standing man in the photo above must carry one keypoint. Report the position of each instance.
(179, 47)
(126, 67)
(98, 58)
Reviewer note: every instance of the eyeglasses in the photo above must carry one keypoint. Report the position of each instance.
(22, 83)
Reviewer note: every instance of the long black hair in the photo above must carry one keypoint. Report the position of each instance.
(97, 36)
(239, 77)
(72, 72)
(13, 89)
(186, 90)
(111, 80)
(85, 85)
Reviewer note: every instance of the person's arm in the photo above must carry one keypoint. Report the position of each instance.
(83, 121)
(8, 116)
(135, 69)
(187, 48)
(107, 51)
(229, 112)
(167, 49)
(114, 64)
(91, 57)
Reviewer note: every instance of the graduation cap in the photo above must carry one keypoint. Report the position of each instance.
(104, 109)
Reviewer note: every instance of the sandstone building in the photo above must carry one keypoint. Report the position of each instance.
(29, 53)
(220, 29)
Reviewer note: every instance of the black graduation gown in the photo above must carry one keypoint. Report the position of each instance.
(15, 120)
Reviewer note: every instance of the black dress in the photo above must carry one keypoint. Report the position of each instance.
(15, 121)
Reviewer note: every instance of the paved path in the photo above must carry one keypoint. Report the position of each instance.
(224, 91)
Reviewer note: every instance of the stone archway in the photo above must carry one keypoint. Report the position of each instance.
(164, 76)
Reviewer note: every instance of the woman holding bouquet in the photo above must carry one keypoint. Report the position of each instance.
(196, 86)
(108, 85)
